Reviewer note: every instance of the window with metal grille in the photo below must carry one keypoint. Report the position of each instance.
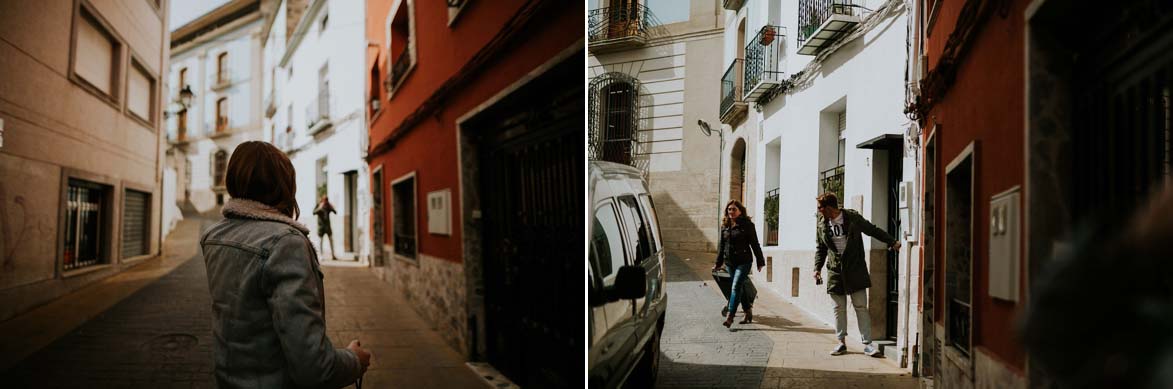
(136, 210)
(220, 164)
(85, 224)
(403, 217)
(614, 117)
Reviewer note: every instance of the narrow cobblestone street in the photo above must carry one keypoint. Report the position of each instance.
(784, 348)
(160, 336)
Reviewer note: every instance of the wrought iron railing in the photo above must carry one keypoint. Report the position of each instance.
(831, 180)
(771, 208)
(763, 57)
(812, 14)
(613, 118)
(959, 323)
(605, 23)
(731, 85)
(399, 69)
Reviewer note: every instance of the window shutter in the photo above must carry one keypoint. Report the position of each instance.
(135, 230)
(95, 55)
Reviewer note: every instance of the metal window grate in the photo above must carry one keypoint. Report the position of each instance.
(614, 118)
(959, 324)
(771, 207)
(403, 215)
(85, 228)
(831, 180)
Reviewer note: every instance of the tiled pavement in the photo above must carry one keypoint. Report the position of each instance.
(160, 336)
(785, 348)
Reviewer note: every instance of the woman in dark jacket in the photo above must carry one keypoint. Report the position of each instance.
(737, 249)
(268, 301)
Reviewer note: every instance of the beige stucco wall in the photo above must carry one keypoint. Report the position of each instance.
(53, 129)
(679, 72)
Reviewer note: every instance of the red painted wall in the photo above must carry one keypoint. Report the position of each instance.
(985, 104)
(430, 149)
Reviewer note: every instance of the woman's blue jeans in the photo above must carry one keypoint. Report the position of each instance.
(739, 272)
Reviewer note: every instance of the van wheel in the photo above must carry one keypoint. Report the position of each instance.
(645, 373)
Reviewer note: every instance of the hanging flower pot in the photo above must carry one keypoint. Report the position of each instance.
(767, 35)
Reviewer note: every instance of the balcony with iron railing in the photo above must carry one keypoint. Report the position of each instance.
(732, 5)
(221, 125)
(619, 28)
(822, 22)
(733, 107)
(831, 180)
(399, 69)
(317, 113)
(763, 61)
(771, 208)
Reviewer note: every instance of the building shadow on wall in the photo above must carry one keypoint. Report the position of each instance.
(677, 228)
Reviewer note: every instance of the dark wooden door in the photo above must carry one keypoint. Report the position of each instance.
(531, 185)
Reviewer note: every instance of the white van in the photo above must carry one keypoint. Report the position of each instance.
(626, 278)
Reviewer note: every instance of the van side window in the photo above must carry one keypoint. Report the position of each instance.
(606, 242)
(651, 219)
(640, 233)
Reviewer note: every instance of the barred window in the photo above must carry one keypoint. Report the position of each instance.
(614, 117)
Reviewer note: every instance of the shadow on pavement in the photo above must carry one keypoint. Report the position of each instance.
(781, 377)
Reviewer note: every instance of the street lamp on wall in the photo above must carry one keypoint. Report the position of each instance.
(708, 131)
(180, 104)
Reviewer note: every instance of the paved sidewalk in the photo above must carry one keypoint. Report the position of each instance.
(798, 344)
(159, 335)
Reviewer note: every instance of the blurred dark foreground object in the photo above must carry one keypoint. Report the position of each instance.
(1101, 314)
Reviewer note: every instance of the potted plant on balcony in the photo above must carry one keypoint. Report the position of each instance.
(768, 34)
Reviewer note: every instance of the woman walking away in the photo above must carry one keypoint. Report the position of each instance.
(738, 239)
(268, 301)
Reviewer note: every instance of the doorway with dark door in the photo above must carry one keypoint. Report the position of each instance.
(377, 217)
(889, 147)
(350, 204)
(529, 167)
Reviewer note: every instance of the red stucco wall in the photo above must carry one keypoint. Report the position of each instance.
(984, 105)
(430, 149)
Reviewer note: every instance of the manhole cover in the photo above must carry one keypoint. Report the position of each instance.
(171, 343)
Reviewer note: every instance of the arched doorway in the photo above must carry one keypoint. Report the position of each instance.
(737, 172)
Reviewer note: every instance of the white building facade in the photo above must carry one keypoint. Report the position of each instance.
(316, 115)
(651, 69)
(217, 56)
(819, 107)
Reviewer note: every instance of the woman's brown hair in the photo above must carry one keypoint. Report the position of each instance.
(259, 172)
(726, 222)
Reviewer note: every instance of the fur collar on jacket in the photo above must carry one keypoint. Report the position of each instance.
(249, 209)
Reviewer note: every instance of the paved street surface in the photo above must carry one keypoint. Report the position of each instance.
(160, 335)
(785, 348)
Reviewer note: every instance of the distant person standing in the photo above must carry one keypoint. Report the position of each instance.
(839, 244)
(323, 211)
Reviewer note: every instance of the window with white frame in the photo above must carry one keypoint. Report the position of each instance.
(403, 215)
(400, 35)
(97, 54)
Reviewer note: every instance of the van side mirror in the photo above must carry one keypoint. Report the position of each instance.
(630, 283)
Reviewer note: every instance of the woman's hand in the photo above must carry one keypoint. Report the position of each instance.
(715, 267)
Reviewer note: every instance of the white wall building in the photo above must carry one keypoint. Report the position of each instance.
(218, 56)
(822, 96)
(317, 113)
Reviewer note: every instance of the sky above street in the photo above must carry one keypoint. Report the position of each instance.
(184, 11)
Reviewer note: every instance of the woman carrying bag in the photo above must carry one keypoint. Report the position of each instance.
(736, 251)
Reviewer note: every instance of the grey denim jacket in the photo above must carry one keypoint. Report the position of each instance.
(268, 304)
